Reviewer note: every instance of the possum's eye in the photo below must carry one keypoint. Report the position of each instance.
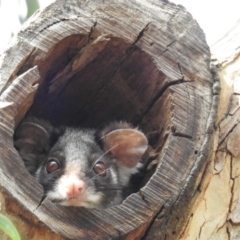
(100, 168)
(52, 165)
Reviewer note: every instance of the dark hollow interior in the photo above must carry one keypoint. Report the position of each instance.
(121, 82)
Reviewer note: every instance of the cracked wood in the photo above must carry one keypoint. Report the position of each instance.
(143, 61)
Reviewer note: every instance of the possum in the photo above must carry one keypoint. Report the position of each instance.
(81, 167)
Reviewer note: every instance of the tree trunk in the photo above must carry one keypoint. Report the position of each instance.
(84, 63)
(215, 213)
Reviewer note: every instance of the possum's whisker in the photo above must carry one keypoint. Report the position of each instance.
(101, 173)
(114, 187)
(106, 153)
(104, 136)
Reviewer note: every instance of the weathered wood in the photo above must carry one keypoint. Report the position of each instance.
(143, 61)
(215, 213)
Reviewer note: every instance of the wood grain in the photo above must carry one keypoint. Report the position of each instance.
(215, 212)
(143, 61)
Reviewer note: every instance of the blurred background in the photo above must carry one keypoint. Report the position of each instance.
(215, 17)
(13, 13)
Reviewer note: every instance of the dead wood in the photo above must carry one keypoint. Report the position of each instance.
(88, 62)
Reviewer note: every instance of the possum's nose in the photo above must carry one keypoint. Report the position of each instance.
(74, 188)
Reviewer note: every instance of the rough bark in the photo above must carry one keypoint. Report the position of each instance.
(215, 214)
(83, 63)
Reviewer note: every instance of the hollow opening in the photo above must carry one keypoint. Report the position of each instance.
(87, 83)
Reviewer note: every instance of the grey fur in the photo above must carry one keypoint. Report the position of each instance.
(76, 150)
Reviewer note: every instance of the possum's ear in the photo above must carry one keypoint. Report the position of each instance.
(32, 139)
(126, 145)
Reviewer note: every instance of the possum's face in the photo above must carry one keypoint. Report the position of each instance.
(76, 172)
(81, 167)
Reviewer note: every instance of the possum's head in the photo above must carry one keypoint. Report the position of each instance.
(89, 168)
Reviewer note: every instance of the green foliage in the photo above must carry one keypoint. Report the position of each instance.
(32, 7)
(7, 226)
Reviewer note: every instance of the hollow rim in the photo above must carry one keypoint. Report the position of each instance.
(143, 205)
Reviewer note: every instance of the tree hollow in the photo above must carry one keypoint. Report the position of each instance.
(85, 63)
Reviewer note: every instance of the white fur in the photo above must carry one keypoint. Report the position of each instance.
(126, 172)
(88, 198)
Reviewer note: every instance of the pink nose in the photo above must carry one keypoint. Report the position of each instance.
(75, 189)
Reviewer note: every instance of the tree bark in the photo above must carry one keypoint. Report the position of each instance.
(215, 213)
(83, 63)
